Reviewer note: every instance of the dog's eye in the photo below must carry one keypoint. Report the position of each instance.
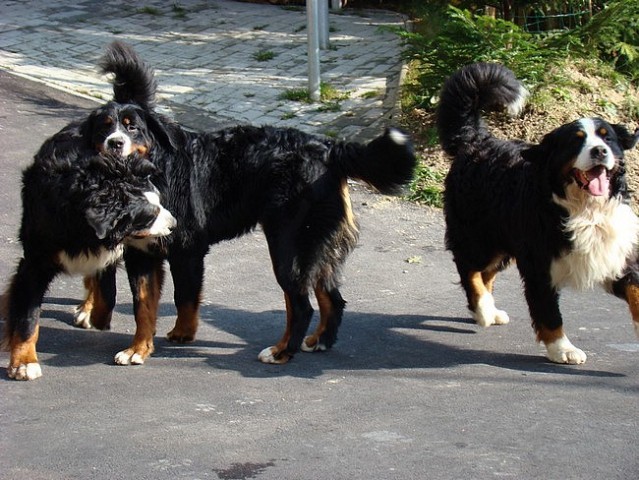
(131, 128)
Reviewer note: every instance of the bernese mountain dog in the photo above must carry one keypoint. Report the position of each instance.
(78, 213)
(221, 185)
(559, 209)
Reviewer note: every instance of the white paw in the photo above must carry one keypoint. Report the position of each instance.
(318, 347)
(26, 371)
(486, 314)
(562, 351)
(128, 357)
(82, 319)
(268, 356)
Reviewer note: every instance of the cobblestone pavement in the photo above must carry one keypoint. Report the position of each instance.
(218, 62)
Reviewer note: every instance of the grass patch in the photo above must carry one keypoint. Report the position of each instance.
(264, 55)
(428, 186)
(328, 95)
(149, 11)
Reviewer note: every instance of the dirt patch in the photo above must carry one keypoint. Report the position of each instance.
(587, 96)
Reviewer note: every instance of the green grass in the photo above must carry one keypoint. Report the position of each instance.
(329, 95)
(149, 11)
(264, 55)
(427, 187)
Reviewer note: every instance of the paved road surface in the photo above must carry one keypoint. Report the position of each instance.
(412, 390)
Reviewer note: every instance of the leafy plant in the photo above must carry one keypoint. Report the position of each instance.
(462, 38)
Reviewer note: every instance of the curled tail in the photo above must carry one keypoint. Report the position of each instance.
(469, 91)
(386, 163)
(134, 81)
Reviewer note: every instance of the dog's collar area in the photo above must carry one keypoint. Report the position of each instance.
(595, 181)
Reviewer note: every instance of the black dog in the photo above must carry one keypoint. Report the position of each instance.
(78, 212)
(559, 208)
(221, 185)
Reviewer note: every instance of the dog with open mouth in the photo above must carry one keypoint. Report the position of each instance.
(559, 209)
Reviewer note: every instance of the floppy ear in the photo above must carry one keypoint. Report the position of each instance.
(627, 140)
(102, 220)
(161, 131)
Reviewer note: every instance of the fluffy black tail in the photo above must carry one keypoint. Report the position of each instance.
(134, 81)
(386, 163)
(473, 88)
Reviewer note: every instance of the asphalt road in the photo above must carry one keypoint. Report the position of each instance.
(412, 389)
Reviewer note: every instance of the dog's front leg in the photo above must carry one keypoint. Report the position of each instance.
(543, 304)
(146, 277)
(21, 311)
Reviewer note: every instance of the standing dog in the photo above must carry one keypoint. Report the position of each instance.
(221, 185)
(559, 209)
(78, 213)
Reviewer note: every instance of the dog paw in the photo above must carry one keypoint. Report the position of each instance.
(178, 336)
(562, 351)
(486, 314)
(488, 317)
(26, 371)
(82, 318)
(271, 355)
(311, 344)
(129, 357)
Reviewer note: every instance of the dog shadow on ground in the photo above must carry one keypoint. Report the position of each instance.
(366, 341)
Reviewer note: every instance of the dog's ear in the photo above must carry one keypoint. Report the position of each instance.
(163, 131)
(87, 128)
(627, 140)
(102, 220)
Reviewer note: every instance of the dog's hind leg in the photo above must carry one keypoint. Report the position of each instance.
(146, 277)
(627, 288)
(97, 308)
(479, 287)
(298, 317)
(188, 274)
(21, 312)
(331, 307)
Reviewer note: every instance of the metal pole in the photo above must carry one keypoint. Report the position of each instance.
(323, 25)
(312, 17)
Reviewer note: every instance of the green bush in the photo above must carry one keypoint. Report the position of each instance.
(613, 34)
(459, 37)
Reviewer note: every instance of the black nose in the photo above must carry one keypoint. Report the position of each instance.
(598, 153)
(115, 144)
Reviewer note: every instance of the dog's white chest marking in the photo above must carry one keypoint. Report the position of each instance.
(603, 234)
(89, 263)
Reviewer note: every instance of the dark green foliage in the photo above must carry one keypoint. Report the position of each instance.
(613, 34)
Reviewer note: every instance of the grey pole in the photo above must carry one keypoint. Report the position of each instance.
(323, 25)
(312, 19)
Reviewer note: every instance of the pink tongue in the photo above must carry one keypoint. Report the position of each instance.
(599, 182)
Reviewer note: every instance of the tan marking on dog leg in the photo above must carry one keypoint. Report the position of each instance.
(186, 324)
(94, 311)
(312, 342)
(145, 320)
(482, 302)
(632, 297)
(277, 353)
(559, 348)
(23, 363)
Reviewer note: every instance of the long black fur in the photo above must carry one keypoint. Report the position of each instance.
(223, 184)
(79, 206)
(499, 200)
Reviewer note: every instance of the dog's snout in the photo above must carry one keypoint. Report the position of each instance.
(598, 153)
(115, 143)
